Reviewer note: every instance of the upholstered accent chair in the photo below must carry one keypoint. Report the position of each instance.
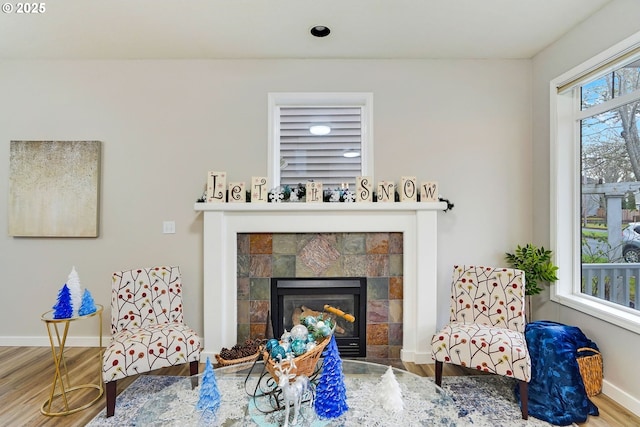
(148, 331)
(486, 326)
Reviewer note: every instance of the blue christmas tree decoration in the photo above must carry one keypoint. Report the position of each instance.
(87, 306)
(209, 394)
(63, 308)
(331, 393)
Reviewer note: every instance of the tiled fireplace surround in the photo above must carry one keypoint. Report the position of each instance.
(394, 245)
(376, 256)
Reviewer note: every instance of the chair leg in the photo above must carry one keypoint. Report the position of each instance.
(524, 399)
(111, 398)
(193, 371)
(439, 373)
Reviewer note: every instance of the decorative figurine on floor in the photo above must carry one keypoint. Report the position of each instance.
(292, 391)
(331, 393)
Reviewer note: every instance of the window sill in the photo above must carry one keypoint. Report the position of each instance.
(602, 310)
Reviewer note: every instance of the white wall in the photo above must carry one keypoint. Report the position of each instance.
(164, 124)
(619, 346)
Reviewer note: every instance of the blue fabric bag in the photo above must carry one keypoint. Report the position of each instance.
(556, 390)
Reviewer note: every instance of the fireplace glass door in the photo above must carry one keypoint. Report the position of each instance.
(292, 298)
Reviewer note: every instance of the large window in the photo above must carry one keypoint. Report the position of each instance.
(595, 109)
(322, 137)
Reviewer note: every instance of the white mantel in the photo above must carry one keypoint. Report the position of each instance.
(417, 221)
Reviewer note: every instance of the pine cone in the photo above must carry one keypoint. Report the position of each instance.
(238, 351)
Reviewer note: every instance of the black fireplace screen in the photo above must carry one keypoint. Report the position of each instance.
(292, 298)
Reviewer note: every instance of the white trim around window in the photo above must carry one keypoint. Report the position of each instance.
(565, 193)
(318, 99)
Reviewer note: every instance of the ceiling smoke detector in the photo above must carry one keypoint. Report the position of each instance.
(320, 31)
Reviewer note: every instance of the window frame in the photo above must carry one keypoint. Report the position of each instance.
(318, 99)
(565, 189)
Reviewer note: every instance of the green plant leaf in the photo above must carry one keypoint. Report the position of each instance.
(536, 264)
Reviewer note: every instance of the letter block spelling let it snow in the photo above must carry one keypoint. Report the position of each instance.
(314, 192)
(408, 189)
(259, 191)
(386, 191)
(216, 186)
(429, 191)
(237, 192)
(364, 189)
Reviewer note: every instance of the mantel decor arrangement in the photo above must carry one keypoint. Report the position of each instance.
(219, 191)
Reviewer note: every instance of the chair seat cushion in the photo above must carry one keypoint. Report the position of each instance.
(137, 350)
(486, 348)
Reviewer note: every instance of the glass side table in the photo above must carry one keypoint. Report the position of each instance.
(58, 330)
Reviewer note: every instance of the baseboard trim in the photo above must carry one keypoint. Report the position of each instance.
(415, 357)
(204, 354)
(631, 403)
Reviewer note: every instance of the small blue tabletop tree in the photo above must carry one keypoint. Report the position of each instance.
(331, 393)
(63, 309)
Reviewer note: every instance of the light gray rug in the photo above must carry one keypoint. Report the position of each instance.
(480, 401)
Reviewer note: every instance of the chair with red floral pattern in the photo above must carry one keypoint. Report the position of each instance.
(147, 327)
(486, 326)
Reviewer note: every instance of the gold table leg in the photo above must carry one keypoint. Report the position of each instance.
(61, 375)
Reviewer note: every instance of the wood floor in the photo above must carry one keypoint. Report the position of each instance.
(26, 374)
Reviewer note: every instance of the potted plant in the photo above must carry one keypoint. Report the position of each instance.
(538, 269)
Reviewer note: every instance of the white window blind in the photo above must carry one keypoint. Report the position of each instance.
(332, 159)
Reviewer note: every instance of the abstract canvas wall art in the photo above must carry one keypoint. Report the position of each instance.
(53, 188)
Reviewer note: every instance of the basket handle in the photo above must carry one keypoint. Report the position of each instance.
(588, 349)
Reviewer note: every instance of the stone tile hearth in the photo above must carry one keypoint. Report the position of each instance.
(376, 256)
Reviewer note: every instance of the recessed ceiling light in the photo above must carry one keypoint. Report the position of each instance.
(320, 129)
(320, 31)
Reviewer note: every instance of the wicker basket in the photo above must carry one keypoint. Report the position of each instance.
(591, 370)
(305, 364)
(225, 362)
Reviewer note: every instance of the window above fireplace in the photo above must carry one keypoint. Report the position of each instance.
(323, 137)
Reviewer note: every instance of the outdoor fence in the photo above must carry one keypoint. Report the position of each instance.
(613, 282)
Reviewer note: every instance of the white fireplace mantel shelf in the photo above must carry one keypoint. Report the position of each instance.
(416, 220)
(321, 207)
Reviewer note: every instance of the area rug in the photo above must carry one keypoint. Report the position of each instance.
(478, 401)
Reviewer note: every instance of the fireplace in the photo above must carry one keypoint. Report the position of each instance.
(417, 222)
(295, 297)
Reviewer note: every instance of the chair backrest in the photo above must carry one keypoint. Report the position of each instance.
(145, 296)
(489, 296)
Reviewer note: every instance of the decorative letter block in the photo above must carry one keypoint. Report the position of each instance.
(216, 185)
(429, 191)
(408, 189)
(314, 192)
(386, 191)
(259, 190)
(364, 189)
(237, 192)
